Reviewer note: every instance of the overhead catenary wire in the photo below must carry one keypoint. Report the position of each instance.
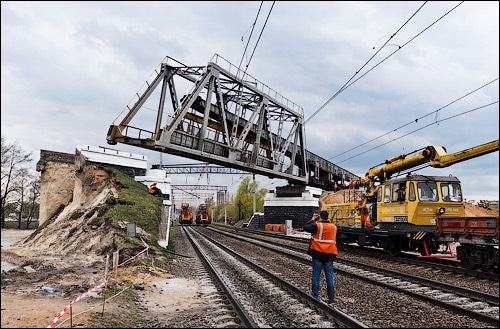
(349, 83)
(250, 37)
(240, 86)
(413, 131)
(399, 48)
(260, 35)
(415, 120)
(361, 68)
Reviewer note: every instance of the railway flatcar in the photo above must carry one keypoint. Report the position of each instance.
(478, 238)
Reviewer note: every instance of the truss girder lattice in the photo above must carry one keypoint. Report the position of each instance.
(220, 115)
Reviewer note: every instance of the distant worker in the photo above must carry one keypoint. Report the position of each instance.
(155, 190)
(363, 211)
(401, 193)
(323, 250)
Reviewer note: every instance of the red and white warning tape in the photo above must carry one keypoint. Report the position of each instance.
(77, 299)
(92, 290)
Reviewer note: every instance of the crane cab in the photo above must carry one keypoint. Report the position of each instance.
(403, 212)
(416, 202)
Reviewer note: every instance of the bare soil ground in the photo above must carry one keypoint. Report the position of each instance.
(65, 253)
(136, 294)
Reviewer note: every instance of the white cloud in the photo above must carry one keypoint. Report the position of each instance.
(68, 69)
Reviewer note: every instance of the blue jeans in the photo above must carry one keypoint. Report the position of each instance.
(317, 266)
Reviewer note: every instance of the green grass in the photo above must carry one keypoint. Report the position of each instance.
(134, 204)
(128, 317)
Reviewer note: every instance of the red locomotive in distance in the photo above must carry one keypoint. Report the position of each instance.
(186, 215)
(202, 216)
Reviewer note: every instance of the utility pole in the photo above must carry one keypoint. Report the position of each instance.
(254, 197)
(239, 210)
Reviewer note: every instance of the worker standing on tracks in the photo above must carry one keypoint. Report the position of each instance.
(323, 250)
(363, 210)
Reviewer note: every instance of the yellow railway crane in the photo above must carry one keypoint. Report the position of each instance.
(419, 212)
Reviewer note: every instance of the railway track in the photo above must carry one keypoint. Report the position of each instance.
(471, 303)
(259, 297)
(405, 258)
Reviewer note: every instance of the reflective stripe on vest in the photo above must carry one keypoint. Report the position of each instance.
(325, 239)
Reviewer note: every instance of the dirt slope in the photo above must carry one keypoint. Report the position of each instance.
(68, 254)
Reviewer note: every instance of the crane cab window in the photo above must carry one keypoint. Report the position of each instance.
(451, 192)
(387, 193)
(427, 191)
(411, 194)
(399, 194)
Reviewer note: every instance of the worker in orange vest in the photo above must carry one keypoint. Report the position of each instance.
(155, 190)
(363, 211)
(323, 250)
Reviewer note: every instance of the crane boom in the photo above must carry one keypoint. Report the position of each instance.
(435, 156)
(446, 160)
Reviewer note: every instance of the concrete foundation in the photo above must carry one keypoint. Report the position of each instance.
(297, 208)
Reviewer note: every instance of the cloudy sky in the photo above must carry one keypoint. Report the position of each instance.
(375, 79)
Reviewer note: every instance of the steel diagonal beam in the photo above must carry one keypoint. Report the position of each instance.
(186, 104)
(249, 124)
(151, 87)
(224, 117)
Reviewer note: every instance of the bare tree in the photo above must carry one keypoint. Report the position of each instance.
(32, 207)
(13, 158)
(27, 192)
(20, 189)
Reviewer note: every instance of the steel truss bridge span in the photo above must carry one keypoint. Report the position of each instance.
(221, 115)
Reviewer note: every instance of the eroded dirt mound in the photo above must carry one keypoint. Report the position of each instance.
(71, 233)
(69, 252)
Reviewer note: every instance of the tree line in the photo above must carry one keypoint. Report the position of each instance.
(241, 207)
(20, 185)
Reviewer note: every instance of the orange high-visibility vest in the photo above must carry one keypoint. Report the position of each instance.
(152, 188)
(364, 215)
(325, 239)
